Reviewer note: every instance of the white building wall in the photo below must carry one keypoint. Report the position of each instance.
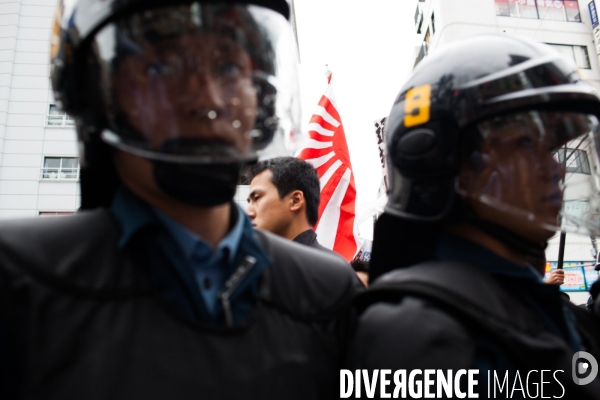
(9, 22)
(241, 196)
(458, 19)
(25, 96)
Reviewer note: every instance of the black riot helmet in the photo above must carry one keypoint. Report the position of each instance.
(495, 126)
(199, 88)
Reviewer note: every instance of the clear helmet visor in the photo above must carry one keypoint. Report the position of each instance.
(200, 83)
(535, 169)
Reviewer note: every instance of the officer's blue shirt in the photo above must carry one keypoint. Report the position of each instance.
(206, 265)
(523, 283)
(183, 267)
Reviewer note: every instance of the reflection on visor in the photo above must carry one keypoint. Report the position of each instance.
(172, 60)
(538, 166)
(553, 128)
(199, 74)
(235, 23)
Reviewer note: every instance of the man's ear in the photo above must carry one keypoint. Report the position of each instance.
(296, 200)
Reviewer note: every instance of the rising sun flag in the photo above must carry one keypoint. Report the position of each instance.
(327, 151)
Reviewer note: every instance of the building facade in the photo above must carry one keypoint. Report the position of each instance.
(564, 24)
(38, 151)
(570, 27)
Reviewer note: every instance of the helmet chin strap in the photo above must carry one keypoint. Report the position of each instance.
(197, 184)
(511, 239)
(202, 185)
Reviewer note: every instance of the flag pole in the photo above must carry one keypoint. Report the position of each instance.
(327, 150)
(563, 235)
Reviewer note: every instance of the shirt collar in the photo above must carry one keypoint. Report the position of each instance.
(306, 237)
(455, 248)
(133, 214)
(189, 242)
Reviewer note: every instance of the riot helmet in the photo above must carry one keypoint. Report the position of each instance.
(199, 88)
(498, 132)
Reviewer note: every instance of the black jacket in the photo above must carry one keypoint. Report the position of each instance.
(83, 322)
(309, 238)
(424, 317)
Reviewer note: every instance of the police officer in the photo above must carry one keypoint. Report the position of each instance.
(159, 287)
(480, 140)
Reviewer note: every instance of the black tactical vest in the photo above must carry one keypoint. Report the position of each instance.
(82, 322)
(462, 297)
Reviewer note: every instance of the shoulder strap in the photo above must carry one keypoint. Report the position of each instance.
(461, 286)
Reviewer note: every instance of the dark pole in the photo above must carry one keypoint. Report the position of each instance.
(561, 250)
(563, 235)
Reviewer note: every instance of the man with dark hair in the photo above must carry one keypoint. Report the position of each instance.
(284, 199)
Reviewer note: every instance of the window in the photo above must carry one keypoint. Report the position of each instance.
(572, 11)
(424, 50)
(418, 18)
(578, 54)
(577, 160)
(502, 8)
(57, 119)
(421, 55)
(55, 213)
(433, 23)
(60, 168)
(552, 10)
(517, 8)
(577, 210)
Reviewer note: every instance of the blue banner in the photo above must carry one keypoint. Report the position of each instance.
(579, 275)
(593, 13)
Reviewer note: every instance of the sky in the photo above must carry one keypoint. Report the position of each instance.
(369, 47)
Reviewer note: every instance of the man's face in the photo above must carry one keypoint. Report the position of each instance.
(265, 208)
(196, 86)
(193, 86)
(518, 185)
